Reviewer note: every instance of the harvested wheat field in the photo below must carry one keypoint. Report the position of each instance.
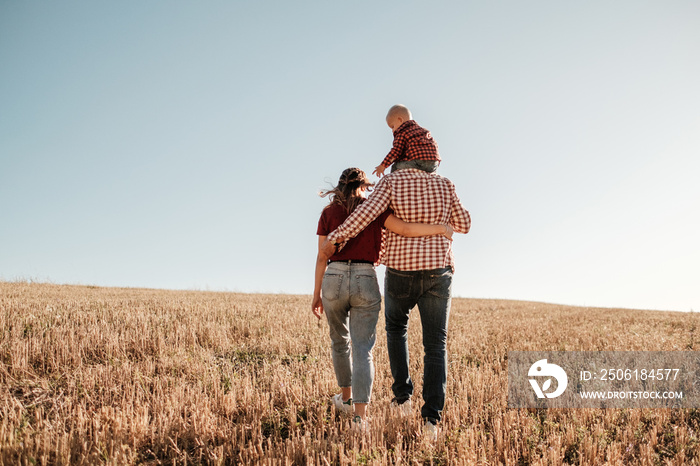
(133, 376)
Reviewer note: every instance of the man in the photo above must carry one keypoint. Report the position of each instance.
(419, 271)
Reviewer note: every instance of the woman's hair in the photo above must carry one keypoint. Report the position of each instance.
(347, 193)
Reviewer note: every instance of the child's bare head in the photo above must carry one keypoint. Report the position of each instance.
(399, 111)
(397, 115)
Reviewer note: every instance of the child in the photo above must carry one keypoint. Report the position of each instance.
(414, 147)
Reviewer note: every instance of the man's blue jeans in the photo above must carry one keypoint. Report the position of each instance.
(431, 290)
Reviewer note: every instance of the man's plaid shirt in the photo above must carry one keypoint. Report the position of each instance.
(412, 142)
(415, 196)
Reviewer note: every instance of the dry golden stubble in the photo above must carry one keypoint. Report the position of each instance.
(123, 376)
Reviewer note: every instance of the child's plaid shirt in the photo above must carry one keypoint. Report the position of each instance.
(412, 142)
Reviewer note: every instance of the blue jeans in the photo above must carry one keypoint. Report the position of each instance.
(351, 301)
(432, 291)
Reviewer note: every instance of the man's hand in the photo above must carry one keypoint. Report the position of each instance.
(327, 249)
(379, 170)
(317, 306)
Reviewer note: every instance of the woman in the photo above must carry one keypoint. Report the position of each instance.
(346, 288)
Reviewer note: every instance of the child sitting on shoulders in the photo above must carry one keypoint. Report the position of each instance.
(414, 147)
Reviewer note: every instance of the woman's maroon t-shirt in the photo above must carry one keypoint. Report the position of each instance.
(365, 246)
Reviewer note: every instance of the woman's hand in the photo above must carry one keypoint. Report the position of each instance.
(449, 231)
(317, 307)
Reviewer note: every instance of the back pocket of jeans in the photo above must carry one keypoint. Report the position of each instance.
(441, 284)
(330, 287)
(366, 292)
(398, 285)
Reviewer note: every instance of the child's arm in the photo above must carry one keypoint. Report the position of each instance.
(398, 150)
(379, 170)
(412, 230)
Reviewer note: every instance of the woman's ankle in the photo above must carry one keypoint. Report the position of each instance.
(360, 409)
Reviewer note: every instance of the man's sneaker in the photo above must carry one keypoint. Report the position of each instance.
(359, 425)
(342, 406)
(402, 407)
(430, 431)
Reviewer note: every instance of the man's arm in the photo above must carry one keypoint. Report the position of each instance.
(364, 214)
(459, 216)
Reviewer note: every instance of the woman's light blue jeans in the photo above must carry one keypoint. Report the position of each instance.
(351, 301)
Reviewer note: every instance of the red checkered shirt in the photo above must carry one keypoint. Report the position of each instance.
(415, 196)
(412, 142)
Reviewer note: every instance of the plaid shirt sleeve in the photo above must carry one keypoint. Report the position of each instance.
(399, 148)
(459, 219)
(365, 213)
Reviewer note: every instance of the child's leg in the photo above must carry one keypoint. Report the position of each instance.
(400, 165)
(426, 165)
(429, 166)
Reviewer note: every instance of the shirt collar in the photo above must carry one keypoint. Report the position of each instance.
(404, 125)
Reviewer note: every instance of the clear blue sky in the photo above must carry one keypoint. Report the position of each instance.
(174, 144)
